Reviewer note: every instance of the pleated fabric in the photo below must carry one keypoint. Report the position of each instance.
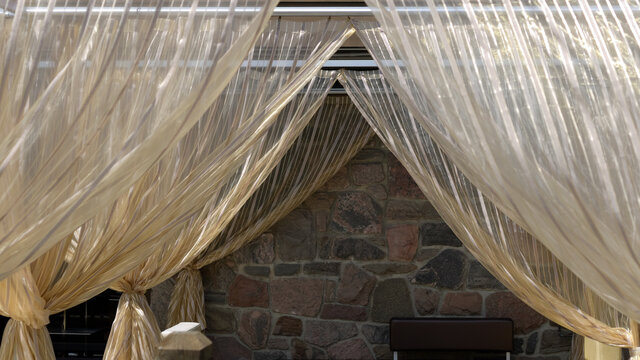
(537, 104)
(334, 135)
(510, 253)
(135, 327)
(164, 262)
(270, 96)
(187, 298)
(93, 93)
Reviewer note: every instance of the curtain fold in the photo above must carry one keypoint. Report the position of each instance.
(516, 258)
(135, 327)
(334, 135)
(202, 227)
(538, 106)
(210, 167)
(288, 55)
(187, 298)
(24, 341)
(91, 98)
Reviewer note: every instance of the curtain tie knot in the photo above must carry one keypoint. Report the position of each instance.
(128, 288)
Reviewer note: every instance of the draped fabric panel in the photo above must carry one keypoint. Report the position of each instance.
(219, 210)
(187, 298)
(139, 323)
(335, 134)
(538, 106)
(517, 259)
(253, 98)
(216, 161)
(91, 98)
(287, 56)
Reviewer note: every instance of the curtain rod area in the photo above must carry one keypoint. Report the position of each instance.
(317, 11)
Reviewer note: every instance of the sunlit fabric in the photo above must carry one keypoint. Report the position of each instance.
(538, 106)
(335, 134)
(206, 166)
(268, 97)
(90, 100)
(517, 259)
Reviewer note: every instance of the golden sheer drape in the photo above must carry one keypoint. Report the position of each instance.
(538, 106)
(205, 167)
(210, 220)
(90, 99)
(517, 259)
(335, 134)
(289, 53)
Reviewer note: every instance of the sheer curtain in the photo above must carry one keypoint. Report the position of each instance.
(206, 163)
(538, 106)
(334, 135)
(515, 257)
(127, 336)
(286, 57)
(92, 93)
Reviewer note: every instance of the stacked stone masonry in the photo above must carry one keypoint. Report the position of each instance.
(324, 282)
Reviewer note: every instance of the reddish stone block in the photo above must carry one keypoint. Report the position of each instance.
(229, 348)
(278, 343)
(324, 333)
(330, 291)
(259, 251)
(320, 200)
(254, 328)
(426, 300)
(247, 292)
(297, 296)
(462, 303)
(303, 351)
(400, 182)
(344, 312)
(507, 305)
(321, 219)
(217, 276)
(350, 349)
(340, 181)
(356, 213)
(288, 326)
(402, 241)
(378, 191)
(365, 174)
(355, 286)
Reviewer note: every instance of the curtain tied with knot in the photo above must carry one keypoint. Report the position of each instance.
(262, 111)
(26, 332)
(334, 135)
(187, 298)
(165, 262)
(511, 254)
(537, 105)
(134, 325)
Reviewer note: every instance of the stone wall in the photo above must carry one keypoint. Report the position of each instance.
(324, 282)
